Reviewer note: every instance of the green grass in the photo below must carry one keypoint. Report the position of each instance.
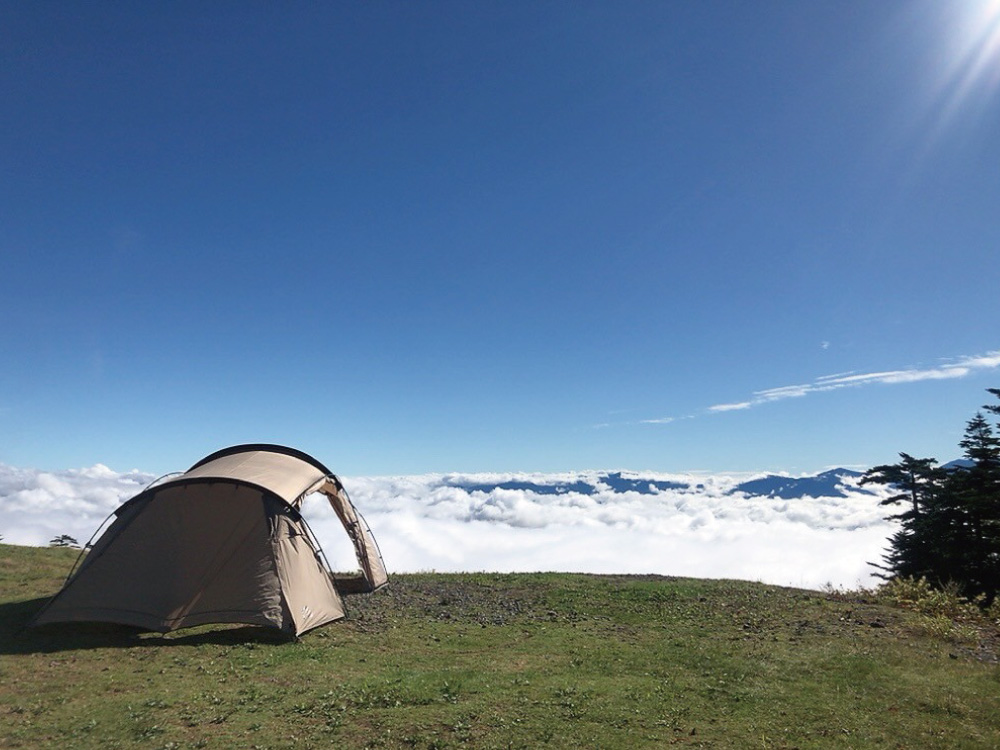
(507, 661)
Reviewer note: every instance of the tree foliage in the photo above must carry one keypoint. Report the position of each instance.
(63, 540)
(950, 526)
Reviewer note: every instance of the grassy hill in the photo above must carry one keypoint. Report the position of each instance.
(508, 661)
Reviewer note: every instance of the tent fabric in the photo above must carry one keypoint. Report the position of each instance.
(311, 600)
(222, 543)
(286, 476)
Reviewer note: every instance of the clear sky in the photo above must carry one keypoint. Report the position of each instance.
(511, 236)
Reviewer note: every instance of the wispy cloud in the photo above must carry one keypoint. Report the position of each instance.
(731, 407)
(959, 368)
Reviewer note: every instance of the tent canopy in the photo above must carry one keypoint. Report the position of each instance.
(223, 542)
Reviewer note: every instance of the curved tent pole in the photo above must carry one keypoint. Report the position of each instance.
(361, 520)
(318, 550)
(160, 479)
(355, 526)
(314, 540)
(297, 506)
(366, 547)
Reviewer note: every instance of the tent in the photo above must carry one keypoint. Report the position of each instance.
(224, 542)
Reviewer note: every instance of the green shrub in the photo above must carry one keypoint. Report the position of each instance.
(918, 595)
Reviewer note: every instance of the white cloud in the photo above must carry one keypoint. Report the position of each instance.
(454, 522)
(731, 407)
(960, 368)
(833, 377)
(988, 360)
(36, 506)
(782, 392)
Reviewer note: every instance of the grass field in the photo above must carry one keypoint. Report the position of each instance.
(508, 661)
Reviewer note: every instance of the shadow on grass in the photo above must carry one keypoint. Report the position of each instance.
(17, 638)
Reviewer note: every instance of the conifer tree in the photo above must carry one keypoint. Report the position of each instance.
(976, 491)
(950, 529)
(993, 408)
(918, 481)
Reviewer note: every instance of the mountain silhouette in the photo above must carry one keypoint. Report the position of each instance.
(828, 484)
(832, 483)
(615, 480)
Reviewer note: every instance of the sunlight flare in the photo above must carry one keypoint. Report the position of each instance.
(968, 71)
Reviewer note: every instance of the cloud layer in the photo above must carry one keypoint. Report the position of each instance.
(594, 522)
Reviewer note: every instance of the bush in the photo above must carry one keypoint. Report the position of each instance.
(919, 595)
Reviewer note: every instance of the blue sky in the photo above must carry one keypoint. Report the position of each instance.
(416, 237)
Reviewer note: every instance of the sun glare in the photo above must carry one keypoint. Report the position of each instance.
(969, 73)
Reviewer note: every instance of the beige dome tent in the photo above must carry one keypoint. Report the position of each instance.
(224, 542)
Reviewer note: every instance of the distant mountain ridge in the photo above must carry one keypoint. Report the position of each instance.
(833, 483)
(958, 463)
(615, 481)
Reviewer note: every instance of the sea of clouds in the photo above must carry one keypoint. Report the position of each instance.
(682, 525)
